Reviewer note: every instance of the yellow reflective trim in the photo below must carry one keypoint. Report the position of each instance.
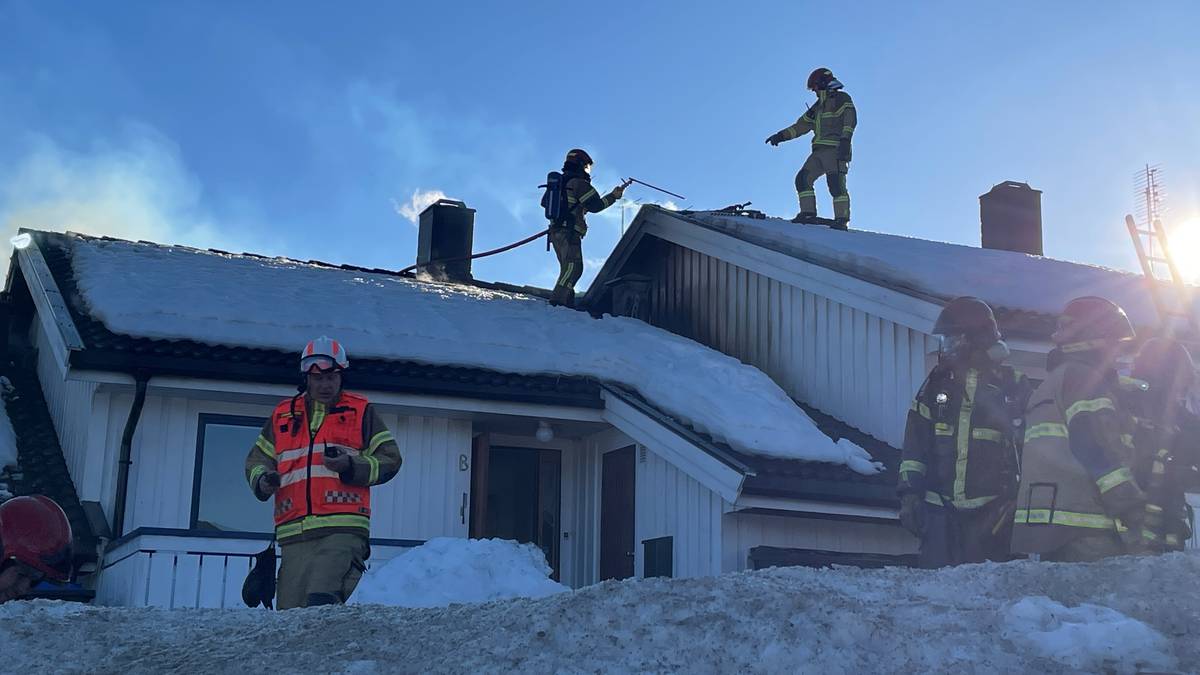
(1127, 440)
(1089, 405)
(943, 429)
(847, 130)
(1153, 508)
(933, 498)
(982, 434)
(1046, 429)
(972, 503)
(843, 198)
(373, 474)
(912, 465)
(807, 193)
(922, 410)
(965, 409)
(1114, 478)
(309, 523)
(378, 440)
(257, 471)
(1172, 540)
(826, 141)
(588, 195)
(1158, 468)
(267, 447)
(1067, 518)
(318, 417)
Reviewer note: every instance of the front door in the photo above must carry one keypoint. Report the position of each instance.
(523, 499)
(616, 514)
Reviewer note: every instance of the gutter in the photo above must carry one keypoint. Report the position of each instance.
(142, 378)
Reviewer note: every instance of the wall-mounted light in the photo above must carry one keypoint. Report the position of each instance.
(544, 432)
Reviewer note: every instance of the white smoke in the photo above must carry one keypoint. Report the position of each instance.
(421, 200)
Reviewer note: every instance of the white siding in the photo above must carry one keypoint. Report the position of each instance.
(743, 531)
(70, 405)
(856, 366)
(672, 504)
(423, 501)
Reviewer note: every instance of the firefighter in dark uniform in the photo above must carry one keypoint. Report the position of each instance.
(1078, 500)
(1166, 439)
(832, 119)
(567, 235)
(958, 470)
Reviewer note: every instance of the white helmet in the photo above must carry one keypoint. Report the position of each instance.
(323, 355)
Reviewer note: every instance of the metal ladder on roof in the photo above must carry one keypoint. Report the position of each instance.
(1162, 274)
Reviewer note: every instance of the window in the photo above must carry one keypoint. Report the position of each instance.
(658, 557)
(221, 499)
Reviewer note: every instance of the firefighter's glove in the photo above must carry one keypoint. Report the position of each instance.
(844, 153)
(268, 483)
(912, 513)
(776, 138)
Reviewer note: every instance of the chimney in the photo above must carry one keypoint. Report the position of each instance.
(444, 239)
(1010, 217)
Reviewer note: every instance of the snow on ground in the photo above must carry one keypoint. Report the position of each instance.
(1119, 615)
(450, 570)
(172, 293)
(1002, 278)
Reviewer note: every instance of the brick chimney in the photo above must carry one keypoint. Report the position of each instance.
(1010, 217)
(444, 239)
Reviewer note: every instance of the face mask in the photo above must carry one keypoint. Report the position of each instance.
(587, 169)
(998, 351)
(952, 345)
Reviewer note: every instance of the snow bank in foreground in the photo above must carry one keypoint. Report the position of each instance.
(175, 293)
(446, 570)
(972, 619)
(1088, 637)
(1003, 278)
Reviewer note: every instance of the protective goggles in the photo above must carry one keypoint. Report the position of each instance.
(318, 364)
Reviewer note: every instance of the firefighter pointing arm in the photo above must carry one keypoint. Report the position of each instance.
(568, 224)
(832, 119)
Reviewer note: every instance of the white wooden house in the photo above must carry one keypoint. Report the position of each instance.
(617, 488)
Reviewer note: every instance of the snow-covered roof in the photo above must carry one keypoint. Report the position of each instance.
(177, 293)
(940, 270)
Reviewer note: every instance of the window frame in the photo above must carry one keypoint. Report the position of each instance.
(202, 422)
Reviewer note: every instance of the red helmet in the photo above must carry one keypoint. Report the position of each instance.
(34, 531)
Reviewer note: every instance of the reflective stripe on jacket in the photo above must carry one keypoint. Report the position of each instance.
(831, 119)
(311, 496)
(582, 198)
(960, 439)
(1075, 469)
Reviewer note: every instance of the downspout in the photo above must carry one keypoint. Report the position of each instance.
(141, 378)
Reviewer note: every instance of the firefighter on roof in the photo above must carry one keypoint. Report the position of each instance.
(832, 120)
(958, 470)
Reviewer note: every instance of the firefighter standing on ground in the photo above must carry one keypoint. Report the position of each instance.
(1166, 439)
(35, 544)
(958, 469)
(318, 455)
(567, 234)
(832, 120)
(1078, 500)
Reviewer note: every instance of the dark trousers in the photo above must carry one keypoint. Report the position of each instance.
(957, 536)
(568, 247)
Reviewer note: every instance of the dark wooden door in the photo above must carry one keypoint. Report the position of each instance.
(616, 514)
(480, 453)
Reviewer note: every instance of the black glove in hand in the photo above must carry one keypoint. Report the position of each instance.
(775, 139)
(268, 483)
(844, 152)
(912, 513)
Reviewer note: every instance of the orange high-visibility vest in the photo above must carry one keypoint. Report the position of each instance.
(311, 496)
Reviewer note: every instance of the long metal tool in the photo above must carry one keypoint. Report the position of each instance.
(655, 187)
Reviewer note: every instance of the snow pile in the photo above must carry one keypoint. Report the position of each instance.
(973, 619)
(1087, 637)
(177, 293)
(1002, 278)
(446, 570)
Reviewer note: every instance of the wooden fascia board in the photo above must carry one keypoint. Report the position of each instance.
(811, 506)
(880, 301)
(51, 307)
(695, 462)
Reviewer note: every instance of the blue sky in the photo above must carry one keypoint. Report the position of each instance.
(301, 128)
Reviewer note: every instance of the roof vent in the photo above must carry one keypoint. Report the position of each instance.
(447, 228)
(1010, 217)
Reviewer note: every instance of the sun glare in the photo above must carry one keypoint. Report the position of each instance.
(1184, 240)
